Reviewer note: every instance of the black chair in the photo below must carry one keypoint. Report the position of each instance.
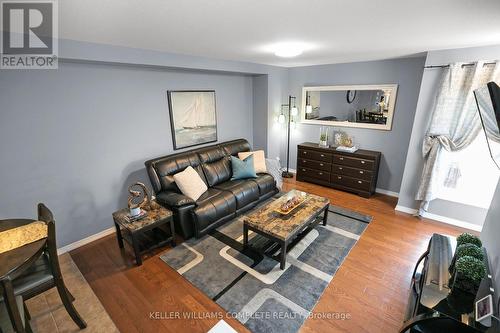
(45, 273)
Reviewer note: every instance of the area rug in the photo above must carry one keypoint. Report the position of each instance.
(251, 287)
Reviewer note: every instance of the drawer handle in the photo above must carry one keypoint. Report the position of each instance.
(361, 172)
(305, 152)
(322, 155)
(360, 182)
(341, 158)
(321, 173)
(362, 162)
(303, 169)
(339, 177)
(341, 168)
(321, 164)
(305, 161)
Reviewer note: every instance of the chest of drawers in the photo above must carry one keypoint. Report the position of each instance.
(354, 172)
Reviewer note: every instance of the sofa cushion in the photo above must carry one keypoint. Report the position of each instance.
(245, 191)
(216, 165)
(259, 159)
(212, 206)
(265, 182)
(173, 199)
(161, 170)
(190, 183)
(243, 169)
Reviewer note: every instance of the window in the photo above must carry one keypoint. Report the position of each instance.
(471, 176)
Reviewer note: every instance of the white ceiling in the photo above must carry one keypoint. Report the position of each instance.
(335, 30)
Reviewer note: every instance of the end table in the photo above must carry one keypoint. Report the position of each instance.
(146, 233)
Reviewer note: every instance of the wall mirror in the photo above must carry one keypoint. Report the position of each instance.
(361, 106)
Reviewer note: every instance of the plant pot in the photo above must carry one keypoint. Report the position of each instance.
(460, 283)
(460, 301)
(323, 144)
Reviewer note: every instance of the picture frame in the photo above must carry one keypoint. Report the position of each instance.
(193, 117)
(484, 308)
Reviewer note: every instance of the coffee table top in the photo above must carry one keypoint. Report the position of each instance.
(153, 217)
(280, 226)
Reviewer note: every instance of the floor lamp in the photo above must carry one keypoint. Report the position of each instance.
(292, 112)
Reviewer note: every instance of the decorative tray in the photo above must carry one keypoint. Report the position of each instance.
(301, 200)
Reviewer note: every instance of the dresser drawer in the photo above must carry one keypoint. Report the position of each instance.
(314, 155)
(323, 166)
(316, 174)
(352, 172)
(354, 183)
(354, 162)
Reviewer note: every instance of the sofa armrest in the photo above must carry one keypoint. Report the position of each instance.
(174, 199)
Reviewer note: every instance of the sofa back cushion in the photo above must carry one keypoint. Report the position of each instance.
(212, 163)
(235, 146)
(161, 170)
(216, 165)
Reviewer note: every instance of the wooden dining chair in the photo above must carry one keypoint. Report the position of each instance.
(45, 273)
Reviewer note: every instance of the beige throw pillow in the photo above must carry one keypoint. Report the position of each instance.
(190, 183)
(259, 160)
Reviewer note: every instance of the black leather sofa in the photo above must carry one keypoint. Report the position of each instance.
(224, 199)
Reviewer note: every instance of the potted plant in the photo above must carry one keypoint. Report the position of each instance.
(467, 238)
(467, 274)
(323, 137)
(466, 249)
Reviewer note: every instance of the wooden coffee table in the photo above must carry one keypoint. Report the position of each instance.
(289, 228)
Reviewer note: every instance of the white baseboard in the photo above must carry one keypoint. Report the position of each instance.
(386, 192)
(85, 241)
(407, 210)
(440, 218)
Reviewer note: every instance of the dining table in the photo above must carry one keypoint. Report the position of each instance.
(12, 264)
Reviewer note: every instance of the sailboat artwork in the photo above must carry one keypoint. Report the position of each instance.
(192, 117)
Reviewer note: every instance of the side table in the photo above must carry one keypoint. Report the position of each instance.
(146, 233)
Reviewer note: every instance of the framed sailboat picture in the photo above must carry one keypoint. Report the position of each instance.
(192, 117)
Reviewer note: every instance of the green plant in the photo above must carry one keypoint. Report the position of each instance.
(322, 137)
(469, 249)
(467, 238)
(470, 269)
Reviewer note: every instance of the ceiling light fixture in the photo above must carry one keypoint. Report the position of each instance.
(288, 50)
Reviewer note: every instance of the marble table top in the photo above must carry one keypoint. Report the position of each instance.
(153, 216)
(269, 221)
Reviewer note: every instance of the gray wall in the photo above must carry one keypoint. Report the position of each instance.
(334, 103)
(489, 236)
(393, 144)
(260, 102)
(75, 137)
(414, 160)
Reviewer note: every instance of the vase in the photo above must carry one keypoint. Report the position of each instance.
(323, 137)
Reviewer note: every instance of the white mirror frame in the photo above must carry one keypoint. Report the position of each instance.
(386, 127)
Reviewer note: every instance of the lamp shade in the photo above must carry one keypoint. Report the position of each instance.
(294, 111)
(281, 119)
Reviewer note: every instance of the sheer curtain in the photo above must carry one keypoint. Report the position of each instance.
(454, 125)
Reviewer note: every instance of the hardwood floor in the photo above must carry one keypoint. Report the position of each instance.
(371, 285)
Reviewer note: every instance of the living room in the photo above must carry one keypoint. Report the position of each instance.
(174, 166)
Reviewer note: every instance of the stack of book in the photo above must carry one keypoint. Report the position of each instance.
(347, 149)
(132, 218)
